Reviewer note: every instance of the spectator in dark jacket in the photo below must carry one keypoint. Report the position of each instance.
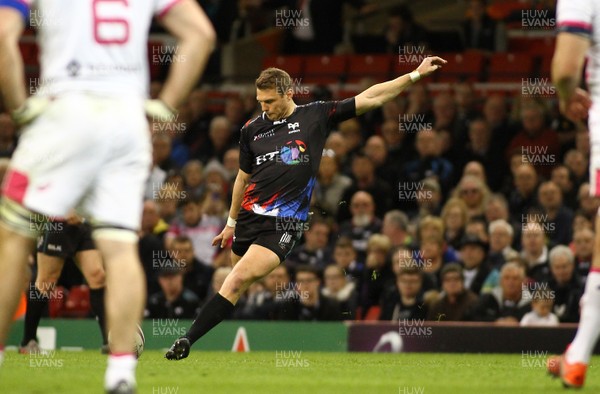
(309, 305)
(479, 29)
(475, 264)
(507, 303)
(455, 302)
(404, 299)
(378, 274)
(174, 301)
(363, 223)
(565, 283)
(557, 216)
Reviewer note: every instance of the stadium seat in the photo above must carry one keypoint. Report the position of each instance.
(325, 69)
(294, 65)
(373, 66)
(509, 67)
(77, 303)
(373, 313)
(401, 68)
(467, 66)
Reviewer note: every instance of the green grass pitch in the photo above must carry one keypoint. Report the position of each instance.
(290, 372)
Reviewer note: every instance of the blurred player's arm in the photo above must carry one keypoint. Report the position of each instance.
(242, 180)
(12, 74)
(567, 66)
(377, 95)
(195, 42)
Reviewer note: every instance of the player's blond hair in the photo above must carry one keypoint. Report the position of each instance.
(274, 78)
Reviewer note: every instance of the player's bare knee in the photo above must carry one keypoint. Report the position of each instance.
(95, 277)
(237, 281)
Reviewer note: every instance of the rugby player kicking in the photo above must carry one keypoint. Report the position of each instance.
(280, 153)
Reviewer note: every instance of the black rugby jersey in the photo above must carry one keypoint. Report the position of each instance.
(283, 157)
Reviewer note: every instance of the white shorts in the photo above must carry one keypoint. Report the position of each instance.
(87, 152)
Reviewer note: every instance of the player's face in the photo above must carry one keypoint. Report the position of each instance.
(275, 105)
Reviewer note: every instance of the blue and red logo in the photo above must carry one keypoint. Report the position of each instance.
(293, 152)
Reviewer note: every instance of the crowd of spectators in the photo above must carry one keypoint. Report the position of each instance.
(447, 207)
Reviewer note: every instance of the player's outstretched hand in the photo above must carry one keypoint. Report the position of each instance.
(430, 64)
(224, 237)
(577, 107)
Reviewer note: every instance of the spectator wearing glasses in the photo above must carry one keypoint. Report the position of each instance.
(455, 301)
(474, 193)
(404, 301)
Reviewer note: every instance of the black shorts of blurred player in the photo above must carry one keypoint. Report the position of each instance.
(71, 240)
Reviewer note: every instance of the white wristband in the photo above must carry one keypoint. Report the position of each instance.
(414, 76)
(231, 222)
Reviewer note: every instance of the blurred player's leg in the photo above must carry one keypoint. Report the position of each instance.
(125, 300)
(572, 366)
(90, 264)
(578, 354)
(48, 272)
(256, 263)
(14, 250)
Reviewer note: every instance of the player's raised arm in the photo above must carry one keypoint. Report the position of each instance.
(567, 65)
(12, 77)
(379, 94)
(196, 40)
(242, 180)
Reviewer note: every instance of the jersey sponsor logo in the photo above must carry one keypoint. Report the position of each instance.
(293, 127)
(293, 152)
(266, 134)
(266, 157)
(73, 68)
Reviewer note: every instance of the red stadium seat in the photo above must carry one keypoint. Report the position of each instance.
(373, 66)
(77, 303)
(373, 313)
(466, 66)
(400, 67)
(294, 65)
(325, 69)
(510, 67)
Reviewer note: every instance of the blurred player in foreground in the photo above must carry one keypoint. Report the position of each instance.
(577, 38)
(280, 153)
(72, 239)
(87, 140)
